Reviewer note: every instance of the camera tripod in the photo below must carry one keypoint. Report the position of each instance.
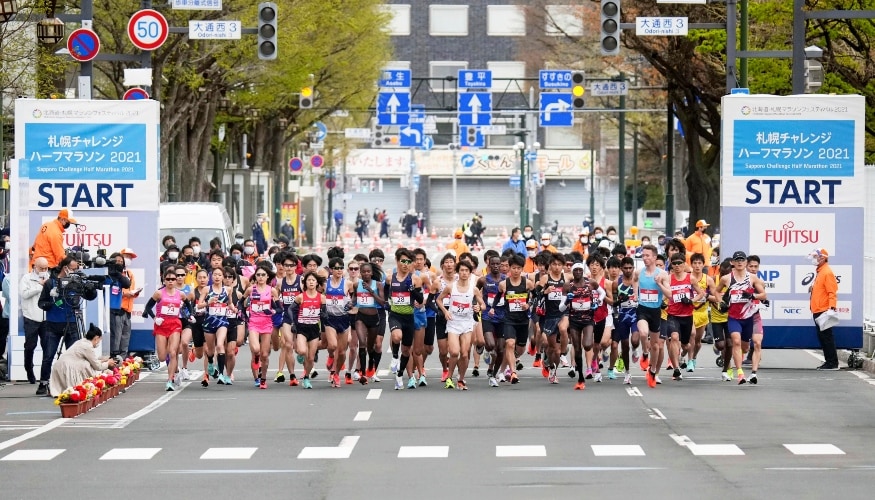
(80, 331)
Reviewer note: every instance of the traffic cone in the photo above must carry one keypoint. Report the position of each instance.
(357, 244)
(433, 233)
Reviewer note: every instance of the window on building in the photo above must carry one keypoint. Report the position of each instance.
(564, 20)
(399, 23)
(505, 20)
(448, 20)
(506, 69)
(565, 137)
(441, 70)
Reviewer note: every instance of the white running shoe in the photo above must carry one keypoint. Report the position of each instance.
(183, 374)
(563, 360)
(356, 376)
(635, 356)
(394, 366)
(627, 379)
(724, 376)
(500, 378)
(493, 382)
(375, 379)
(487, 358)
(553, 379)
(399, 382)
(597, 376)
(658, 381)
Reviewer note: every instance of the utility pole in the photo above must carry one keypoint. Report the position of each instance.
(621, 160)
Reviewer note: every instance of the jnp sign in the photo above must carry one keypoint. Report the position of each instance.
(792, 181)
(99, 159)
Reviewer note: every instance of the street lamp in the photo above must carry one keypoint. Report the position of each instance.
(523, 151)
(50, 31)
(8, 9)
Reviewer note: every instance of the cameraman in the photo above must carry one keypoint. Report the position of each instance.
(60, 305)
(119, 284)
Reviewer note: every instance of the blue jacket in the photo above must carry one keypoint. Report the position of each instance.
(518, 247)
(59, 309)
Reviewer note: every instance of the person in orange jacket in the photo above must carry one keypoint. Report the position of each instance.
(582, 243)
(49, 242)
(458, 245)
(823, 298)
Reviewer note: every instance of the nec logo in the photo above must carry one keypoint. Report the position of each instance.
(792, 310)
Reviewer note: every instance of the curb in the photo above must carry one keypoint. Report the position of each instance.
(868, 363)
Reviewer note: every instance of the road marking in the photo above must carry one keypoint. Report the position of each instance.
(228, 454)
(860, 375)
(634, 392)
(800, 468)
(813, 449)
(36, 432)
(521, 451)
(424, 452)
(374, 394)
(362, 416)
(681, 440)
(51, 412)
(130, 454)
(154, 405)
(714, 449)
(236, 471)
(655, 414)
(343, 450)
(578, 469)
(617, 450)
(383, 373)
(19, 455)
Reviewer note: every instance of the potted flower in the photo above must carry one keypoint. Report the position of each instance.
(71, 402)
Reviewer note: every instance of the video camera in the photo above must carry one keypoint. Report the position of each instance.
(100, 260)
(80, 283)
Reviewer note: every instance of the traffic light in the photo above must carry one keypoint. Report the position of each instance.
(305, 98)
(577, 89)
(609, 42)
(267, 31)
(471, 135)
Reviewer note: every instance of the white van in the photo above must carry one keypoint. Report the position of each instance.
(204, 220)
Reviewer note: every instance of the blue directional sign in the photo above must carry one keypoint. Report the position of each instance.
(532, 156)
(741, 90)
(393, 108)
(475, 108)
(417, 113)
(552, 79)
(467, 160)
(514, 181)
(395, 79)
(321, 131)
(475, 79)
(471, 137)
(555, 109)
(427, 143)
(411, 135)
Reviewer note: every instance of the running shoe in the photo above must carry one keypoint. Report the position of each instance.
(363, 380)
(399, 382)
(668, 365)
(553, 379)
(314, 373)
(563, 360)
(293, 380)
(579, 386)
(422, 381)
(677, 375)
(514, 378)
(588, 373)
(370, 372)
(714, 348)
(651, 379)
(691, 366)
(206, 381)
(376, 378)
(493, 382)
(475, 372)
(537, 362)
(444, 375)
(487, 358)
(724, 376)
(752, 379)
(306, 384)
(620, 366)
(191, 355)
(280, 377)
(747, 362)
(394, 366)
(611, 374)
(519, 365)
(595, 364)
(211, 369)
(480, 349)
(347, 379)
(731, 373)
(507, 372)
(448, 384)
(461, 385)
(220, 380)
(627, 380)
(741, 379)
(356, 375)
(228, 380)
(257, 382)
(635, 356)
(183, 374)
(572, 373)
(411, 383)
(531, 349)
(545, 372)
(645, 363)
(658, 380)
(170, 387)
(597, 376)
(683, 363)
(606, 356)
(336, 379)
(263, 384)
(299, 358)
(501, 378)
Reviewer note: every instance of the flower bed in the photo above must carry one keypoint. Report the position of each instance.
(97, 390)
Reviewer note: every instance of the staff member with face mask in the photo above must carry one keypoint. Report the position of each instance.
(49, 242)
(29, 289)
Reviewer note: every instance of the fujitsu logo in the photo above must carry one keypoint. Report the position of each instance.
(788, 235)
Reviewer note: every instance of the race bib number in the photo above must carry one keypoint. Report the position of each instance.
(169, 310)
(288, 298)
(365, 299)
(447, 302)
(581, 304)
(556, 295)
(218, 310)
(736, 298)
(490, 299)
(309, 315)
(649, 295)
(115, 290)
(401, 298)
(460, 307)
(515, 302)
(677, 297)
(256, 307)
(335, 300)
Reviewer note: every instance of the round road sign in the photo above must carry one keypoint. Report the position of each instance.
(330, 184)
(316, 161)
(147, 29)
(83, 45)
(296, 164)
(135, 94)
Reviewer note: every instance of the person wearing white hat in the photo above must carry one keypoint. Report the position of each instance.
(699, 241)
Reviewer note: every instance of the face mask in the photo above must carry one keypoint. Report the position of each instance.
(813, 261)
(172, 255)
(249, 250)
(527, 234)
(584, 239)
(66, 225)
(612, 237)
(545, 243)
(714, 260)
(43, 275)
(532, 253)
(238, 241)
(196, 249)
(598, 235)
(236, 256)
(127, 261)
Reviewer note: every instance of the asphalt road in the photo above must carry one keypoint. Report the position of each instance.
(698, 438)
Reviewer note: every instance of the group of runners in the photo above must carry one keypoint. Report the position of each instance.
(571, 311)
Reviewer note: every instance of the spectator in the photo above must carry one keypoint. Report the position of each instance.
(29, 289)
(515, 242)
(529, 234)
(699, 241)
(168, 241)
(258, 235)
(458, 246)
(49, 242)
(288, 230)
(420, 223)
(202, 258)
(79, 362)
(384, 224)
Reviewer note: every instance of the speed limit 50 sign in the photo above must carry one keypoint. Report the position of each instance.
(148, 29)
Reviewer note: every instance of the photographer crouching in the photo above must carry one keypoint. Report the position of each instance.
(61, 299)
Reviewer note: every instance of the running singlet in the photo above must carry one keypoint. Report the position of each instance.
(740, 307)
(444, 284)
(335, 298)
(259, 302)
(716, 315)
(580, 309)
(490, 290)
(627, 309)
(310, 308)
(649, 294)
(288, 291)
(169, 305)
(680, 289)
(461, 303)
(553, 297)
(218, 308)
(516, 297)
(602, 311)
(364, 298)
(399, 295)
